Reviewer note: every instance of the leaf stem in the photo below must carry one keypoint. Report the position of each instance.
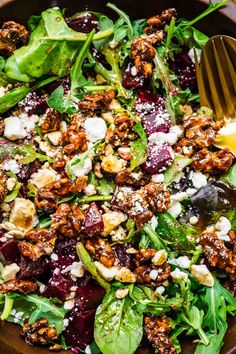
(94, 198)
(154, 237)
(7, 308)
(81, 38)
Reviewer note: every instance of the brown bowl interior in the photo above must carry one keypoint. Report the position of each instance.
(223, 22)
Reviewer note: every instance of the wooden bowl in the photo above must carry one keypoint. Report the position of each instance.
(223, 21)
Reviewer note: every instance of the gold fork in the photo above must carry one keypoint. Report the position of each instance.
(216, 76)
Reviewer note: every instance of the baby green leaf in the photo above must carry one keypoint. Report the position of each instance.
(57, 102)
(31, 155)
(118, 327)
(139, 149)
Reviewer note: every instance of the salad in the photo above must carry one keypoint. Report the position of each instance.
(118, 212)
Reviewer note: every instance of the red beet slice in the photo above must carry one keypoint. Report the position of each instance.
(10, 251)
(159, 158)
(89, 296)
(93, 222)
(84, 24)
(58, 287)
(154, 123)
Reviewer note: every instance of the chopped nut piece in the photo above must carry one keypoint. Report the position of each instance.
(3, 189)
(51, 122)
(112, 220)
(128, 177)
(23, 214)
(74, 138)
(10, 271)
(143, 53)
(202, 274)
(12, 36)
(213, 162)
(101, 251)
(67, 220)
(160, 257)
(159, 21)
(43, 242)
(123, 134)
(112, 164)
(23, 286)
(99, 100)
(124, 275)
(38, 333)
(157, 329)
(107, 273)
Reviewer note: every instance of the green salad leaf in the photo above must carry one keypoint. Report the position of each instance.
(15, 191)
(33, 307)
(31, 155)
(118, 328)
(139, 148)
(57, 102)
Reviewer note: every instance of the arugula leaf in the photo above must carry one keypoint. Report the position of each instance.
(44, 221)
(104, 24)
(15, 191)
(154, 237)
(35, 307)
(139, 148)
(31, 155)
(105, 187)
(174, 233)
(179, 163)
(118, 327)
(79, 160)
(76, 76)
(138, 26)
(124, 18)
(57, 102)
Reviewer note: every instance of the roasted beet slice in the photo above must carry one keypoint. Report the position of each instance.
(29, 269)
(9, 250)
(58, 286)
(131, 79)
(33, 104)
(154, 123)
(159, 158)
(125, 259)
(89, 297)
(93, 222)
(149, 102)
(79, 331)
(27, 170)
(64, 254)
(65, 83)
(84, 23)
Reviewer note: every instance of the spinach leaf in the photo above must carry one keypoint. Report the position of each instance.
(154, 237)
(138, 26)
(179, 163)
(118, 328)
(105, 187)
(57, 102)
(174, 233)
(31, 155)
(139, 148)
(230, 176)
(76, 75)
(104, 24)
(35, 307)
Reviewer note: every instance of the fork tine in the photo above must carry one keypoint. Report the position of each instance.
(230, 65)
(228, 108)
(201, 88)
(213, 88)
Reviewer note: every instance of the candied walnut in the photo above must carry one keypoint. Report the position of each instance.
(185, 147)
(52, 120)
(212, 162)
(59, 165)
(39, 242)
(67, 220)
(101, 251)
(97, 101)
(2, 127)
(12, 36)
(157, 329)
(201, 129)
(217, 254)
(142, 53)
(145, 254)
(74, 138)
(156, 22)
(38, 333)
(152, 275)
(64, 186)
(46, 201)
(3, 189)
(123, 134)
(23, 286)
(128, 177)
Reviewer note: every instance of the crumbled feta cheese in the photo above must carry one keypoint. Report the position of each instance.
(153, 222)
(54, 257)
(199, 180)
(65, 322)
(90, 190)
(2, 91)
(175, 209)
(10, 184)
(18, 127)
(223, 226)
(153, 274)
(77, 269)
(43, 177)
(112, 220)
(23, 214)
(88, 350)
(193, 220)
(169, 138)
(160, 290)
(134, 71)
(113, 164)
(118, 234)
(84, 170)
(159, 178)
(160, 257)
(68, 305)
(122, 293)
(178, 275)
(107, 273)
(95, 129)
(179, 197)
(191, 191)
(55, 137)
(9, 271)
(124, 275)
(202, 274)
(11, 166)
(183, 262)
